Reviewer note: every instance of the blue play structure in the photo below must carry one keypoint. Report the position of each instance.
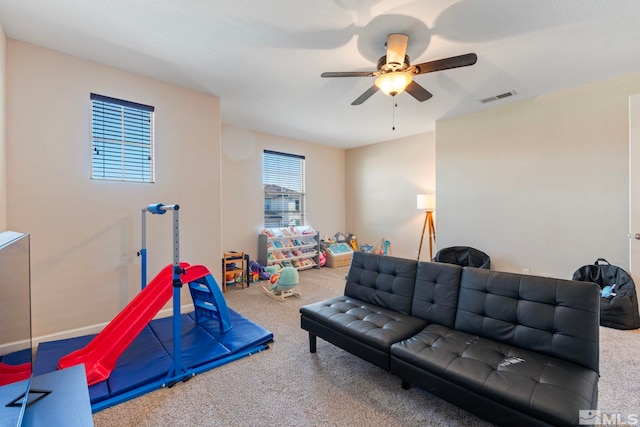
(134, 354)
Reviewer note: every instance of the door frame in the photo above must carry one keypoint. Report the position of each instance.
(634, 186)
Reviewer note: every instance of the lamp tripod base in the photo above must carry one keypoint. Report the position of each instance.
(428, 222)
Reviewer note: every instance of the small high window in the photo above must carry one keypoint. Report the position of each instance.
(122, 140)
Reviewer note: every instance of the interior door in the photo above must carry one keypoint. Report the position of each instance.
(634, 187)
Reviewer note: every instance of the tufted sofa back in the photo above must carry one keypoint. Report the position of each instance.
(382, 280)
(551, 316)
(435, 298)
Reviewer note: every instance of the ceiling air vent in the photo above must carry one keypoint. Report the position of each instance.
(496, 97)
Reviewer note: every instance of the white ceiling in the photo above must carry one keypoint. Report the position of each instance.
(264, 58)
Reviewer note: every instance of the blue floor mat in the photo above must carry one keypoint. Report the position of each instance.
(50, 352)
(17, 357)
(243, 335)
(149, 358)
(145, 360)
(198, 346)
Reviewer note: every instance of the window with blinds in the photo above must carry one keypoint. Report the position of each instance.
(122, 140)
(283, 181)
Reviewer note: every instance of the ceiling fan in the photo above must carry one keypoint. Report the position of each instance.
(395, 72)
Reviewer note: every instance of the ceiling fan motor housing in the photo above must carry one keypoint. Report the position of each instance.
(383, 67)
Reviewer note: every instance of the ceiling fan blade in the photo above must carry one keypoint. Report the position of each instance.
(396, 48)
(418, 92)
(446, 64)
(347, 74)
(366, 95)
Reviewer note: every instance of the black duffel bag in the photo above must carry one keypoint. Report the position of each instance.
(619, 301)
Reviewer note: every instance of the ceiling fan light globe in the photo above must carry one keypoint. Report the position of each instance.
(393, 84)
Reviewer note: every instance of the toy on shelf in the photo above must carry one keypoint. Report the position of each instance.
(268, 232)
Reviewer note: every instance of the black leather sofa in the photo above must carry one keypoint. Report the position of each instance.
(513, 349)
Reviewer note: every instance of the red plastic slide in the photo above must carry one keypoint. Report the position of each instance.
(12, 373)
(102, 353)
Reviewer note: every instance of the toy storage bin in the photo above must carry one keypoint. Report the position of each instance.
(338, 255)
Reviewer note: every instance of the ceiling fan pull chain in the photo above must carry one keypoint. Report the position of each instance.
(393, 112)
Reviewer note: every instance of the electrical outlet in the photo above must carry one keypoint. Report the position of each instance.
(525, 271)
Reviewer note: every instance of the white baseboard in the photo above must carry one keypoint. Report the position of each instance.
(10, 347)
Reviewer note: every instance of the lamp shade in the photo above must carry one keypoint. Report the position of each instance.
(393, 83)
(426, 202)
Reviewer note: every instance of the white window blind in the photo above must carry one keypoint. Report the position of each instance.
(283, 181)
(122, 140)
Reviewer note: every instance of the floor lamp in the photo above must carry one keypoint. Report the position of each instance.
(427, 203)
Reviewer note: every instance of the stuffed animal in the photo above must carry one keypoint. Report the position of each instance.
(607, 291)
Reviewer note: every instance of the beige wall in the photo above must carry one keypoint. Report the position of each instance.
(242, 193)
(382, 182)
(541, 183)
(3, 129)
(85, 233)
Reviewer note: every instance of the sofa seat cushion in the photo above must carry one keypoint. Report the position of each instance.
(538, 384)
(376, 326)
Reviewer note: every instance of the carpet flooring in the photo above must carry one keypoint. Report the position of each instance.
(288, 386)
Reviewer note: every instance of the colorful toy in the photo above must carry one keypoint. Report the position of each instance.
(255, 268)
(272, 269)
(366, 248)
(282, 283)
(384, 248)
(268, 232)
